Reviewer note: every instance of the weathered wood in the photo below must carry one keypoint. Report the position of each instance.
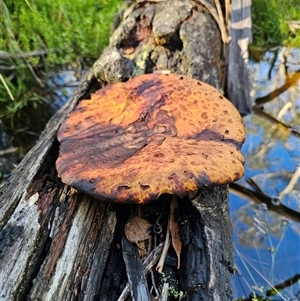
(57, 244)
(135, 272)
(148, 265)
(238, 89)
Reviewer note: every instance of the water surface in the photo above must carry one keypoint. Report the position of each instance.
(267, 243)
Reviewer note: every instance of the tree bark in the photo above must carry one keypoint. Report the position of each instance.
(58, 244)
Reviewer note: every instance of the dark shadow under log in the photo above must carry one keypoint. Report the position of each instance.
(58, 244)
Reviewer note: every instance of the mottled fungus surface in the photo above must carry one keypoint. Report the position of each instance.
(155, 134)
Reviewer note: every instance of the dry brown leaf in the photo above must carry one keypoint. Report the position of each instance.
(174, 229)
(137, 232)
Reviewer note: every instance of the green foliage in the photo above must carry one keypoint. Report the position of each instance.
(73, 27)
(65, 29)
(15, 96)
(270, 20)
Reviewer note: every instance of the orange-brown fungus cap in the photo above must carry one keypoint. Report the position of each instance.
(154, 134)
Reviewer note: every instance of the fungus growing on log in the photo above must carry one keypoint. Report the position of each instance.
(155, 134)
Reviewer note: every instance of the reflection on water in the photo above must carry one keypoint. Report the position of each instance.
(267, 244)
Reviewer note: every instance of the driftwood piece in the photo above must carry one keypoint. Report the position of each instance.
(58, 244)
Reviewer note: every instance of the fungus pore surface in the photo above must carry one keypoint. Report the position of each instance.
(155, 134)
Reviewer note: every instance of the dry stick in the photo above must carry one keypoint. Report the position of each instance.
(283, 111)
(259, 198)
(217, 14)
(222, 25)
(148, 264)
(256, 110)
(227, 13)
(174, 230)
(153, 283)
(164, 252)
(10, 55)
(292, 183)
(9, 150)
(163, 256)
(290, 81)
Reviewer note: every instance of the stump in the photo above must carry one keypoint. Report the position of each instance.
(58, 244)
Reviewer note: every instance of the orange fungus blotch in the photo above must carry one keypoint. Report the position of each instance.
(155, 134)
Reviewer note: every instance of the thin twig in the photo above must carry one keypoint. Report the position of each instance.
(290, 81)
(222, 24)
(283, 111)
(217, 14)
(292, 183)
(7, 151)
(153, 283)
(13, 55)
(256, 110)
(260, 198)
(164, 252)
(227, 13)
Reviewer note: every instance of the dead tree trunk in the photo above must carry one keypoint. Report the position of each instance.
(58, 244)
(238, 88)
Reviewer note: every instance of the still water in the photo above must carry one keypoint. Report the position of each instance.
(266, 241)
(267, 244)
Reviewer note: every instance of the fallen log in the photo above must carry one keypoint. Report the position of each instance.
(59, 244)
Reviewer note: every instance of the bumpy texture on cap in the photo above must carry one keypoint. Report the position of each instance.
(154, 134)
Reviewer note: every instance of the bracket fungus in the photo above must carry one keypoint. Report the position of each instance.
(155, 134)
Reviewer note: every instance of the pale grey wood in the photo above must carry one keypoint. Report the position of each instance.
(237, 64)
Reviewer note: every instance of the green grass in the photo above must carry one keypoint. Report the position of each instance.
(76, 28)
(270, 20)
(66, 30)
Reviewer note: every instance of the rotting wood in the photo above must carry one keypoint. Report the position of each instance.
(135, 272)
(148, 264)
(62, 245)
